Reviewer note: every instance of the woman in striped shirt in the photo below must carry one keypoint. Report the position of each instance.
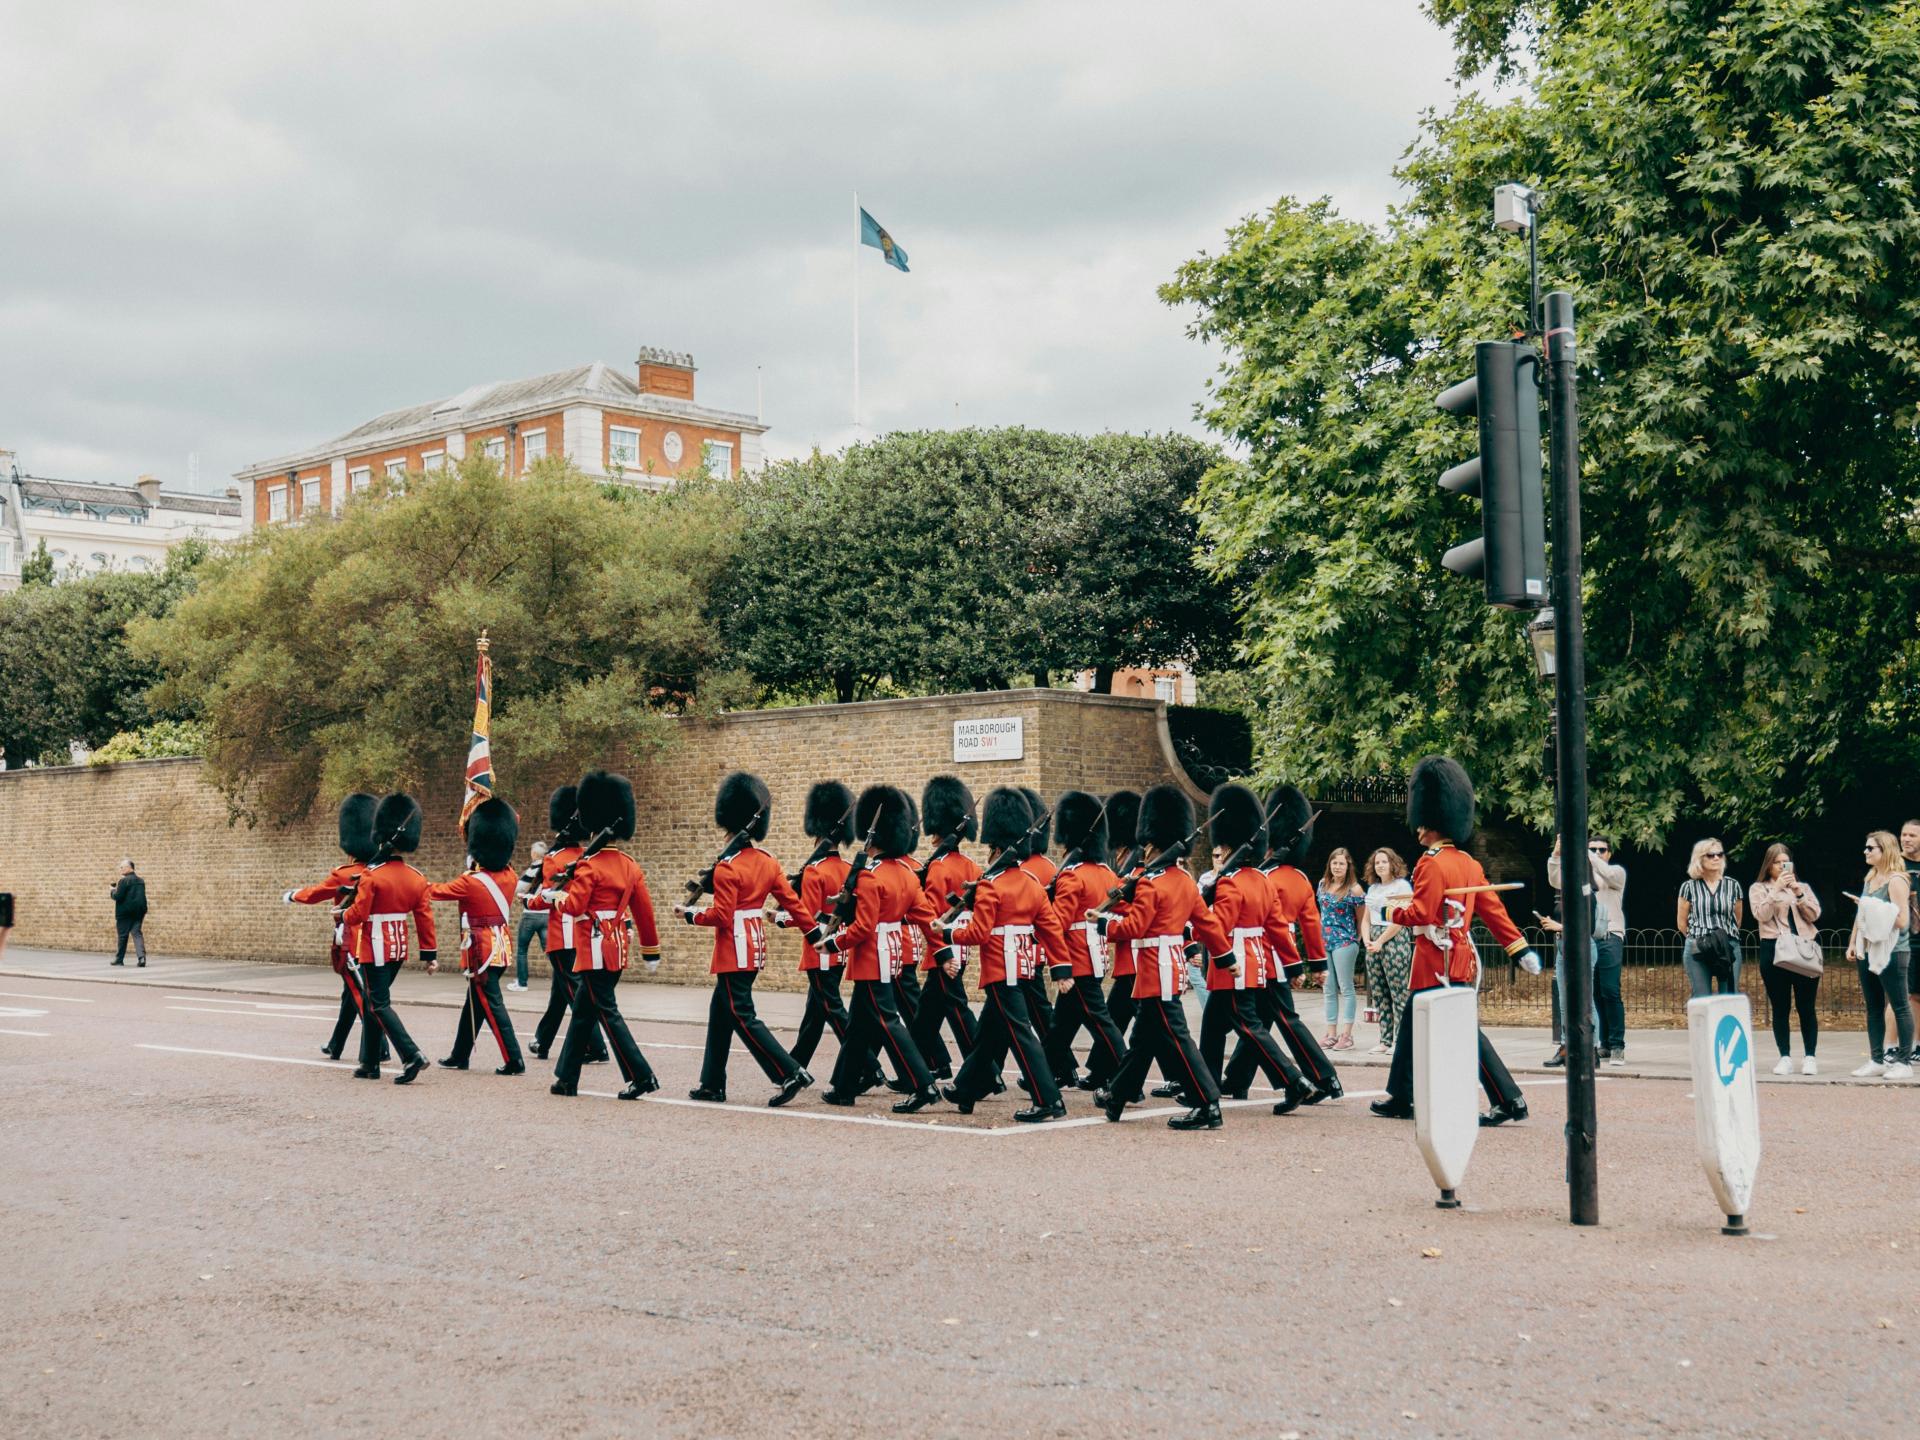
(1709, 902)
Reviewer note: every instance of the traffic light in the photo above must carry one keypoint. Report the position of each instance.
(1504, 394)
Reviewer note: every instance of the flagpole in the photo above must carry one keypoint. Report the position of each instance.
(856, 315)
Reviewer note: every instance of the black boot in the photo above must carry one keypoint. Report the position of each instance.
(452, 1064)
(790, 1087)
(917, 1102)
(1036, 1114)
(512, 1067)
(1515, 1110)
(953, 1097)
(412, 1070)
(1290, 1103)
(563, 1087)
(367, 1072)
(708, 1093)
(1392, 1109)
(639, 1088)
(1165, 1091)
(1201, 1117)
(1557, 1059)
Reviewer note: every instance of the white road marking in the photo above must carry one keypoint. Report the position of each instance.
(248, 1006)
(19, 1012)
(42, 1034)
(780, 1112)
(243, 1055)
(241, 1014)
(66, 999)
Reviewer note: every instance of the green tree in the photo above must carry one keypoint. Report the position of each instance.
(37, 568)
(1730, 194)
(339, 653)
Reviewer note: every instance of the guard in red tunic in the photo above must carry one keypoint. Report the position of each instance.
(563, 814)
(1165, 903)
(946, 810)
(389, 895)
(745, 877)
(356, 840)
(485, 895)
(1036, 864)
(1123, 818)
(1289, 837)
(1080, 887)
(1013, 924)
(1440, 813)
(888, 903)
(1242, 899)
(829, 824)
(606, 889)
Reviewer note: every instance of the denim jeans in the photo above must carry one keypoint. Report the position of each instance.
(1606, 992)
(532, 929)
(1888, 988)
(1699, 982)
(1342, 998)
(1560, 990)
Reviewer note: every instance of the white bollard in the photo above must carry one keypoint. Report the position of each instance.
(1726, 1101)
(1446, 1084)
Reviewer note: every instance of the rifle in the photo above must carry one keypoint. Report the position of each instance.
(1074, 856)
(702, 883)
(343, 898)
(1123, 893)
(1009, 858)
(563, 878)
(821, 849)
(842, 907)
(1242, 856)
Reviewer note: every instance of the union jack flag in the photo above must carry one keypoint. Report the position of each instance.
(480, 751)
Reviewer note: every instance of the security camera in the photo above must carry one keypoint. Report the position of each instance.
(1513, 207)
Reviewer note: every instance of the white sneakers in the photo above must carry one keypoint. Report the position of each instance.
(1870, 1069)
(1809, 1066)
(1897, 1071)
(1783, 1066)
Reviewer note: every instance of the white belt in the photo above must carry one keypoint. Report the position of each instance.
(1096, 946)
(1011, 949)
(1242, 936)
(377, 924)
(749, 939)
(595, 956)
(1172, 961)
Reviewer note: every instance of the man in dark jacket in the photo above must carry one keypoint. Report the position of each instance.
(129, 910)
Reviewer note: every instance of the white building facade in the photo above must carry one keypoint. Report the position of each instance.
(88, 528)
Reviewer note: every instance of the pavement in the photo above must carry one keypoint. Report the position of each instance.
(1651, 1054)
(209, 1230)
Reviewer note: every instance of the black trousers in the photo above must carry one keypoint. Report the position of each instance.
(1785, 989)
(559, 1000)
(1275, 1007)
(1005, 1024)
(1161, 1030)
(1495, 1078)
(910, 994)
(1121, 1004)
(731, 1013)
(350, 1012)
(1039, 1007)
(943, 1001)
(1085, 1006)
(597, 1021)
(493, 1014)
(874, 1021)
(824, 1012)
(129, 930)
(381, 1019)
(1237, 1012)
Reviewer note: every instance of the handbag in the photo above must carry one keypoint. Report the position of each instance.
(1795, 952)
(1714, 950)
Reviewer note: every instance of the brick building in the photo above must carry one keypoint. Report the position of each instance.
(643, 426)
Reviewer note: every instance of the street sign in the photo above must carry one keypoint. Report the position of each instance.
(1726, 1101)
(1001, 738)
(1446, 1084)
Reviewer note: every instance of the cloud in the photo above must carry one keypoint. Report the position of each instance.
(235, 230)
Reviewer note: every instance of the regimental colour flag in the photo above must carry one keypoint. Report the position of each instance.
(873, 233)
(480, 750)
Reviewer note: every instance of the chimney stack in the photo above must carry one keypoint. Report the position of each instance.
(149, 489)
(666, 372)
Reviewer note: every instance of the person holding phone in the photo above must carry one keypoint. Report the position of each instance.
(1781, 900)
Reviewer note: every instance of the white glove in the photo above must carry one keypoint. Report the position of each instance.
(1530, 962)
(653, 962)
(287, 899)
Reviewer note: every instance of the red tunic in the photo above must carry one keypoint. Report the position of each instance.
(608, 886)
(1123, 961)
(1243, 903)
(741, 884)
(325, 893)
(486, 905)
(1293, 901)
(560, 928)
(945, 880)
(1041, 868)
(819, 883)
(1012, 921)
(388, 896)
(1442, 924)
(888, 901)
(1078, 889)
(1164, 904)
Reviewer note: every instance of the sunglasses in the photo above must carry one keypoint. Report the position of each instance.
(1714, 855)
(1596, 849)
(1872, 849)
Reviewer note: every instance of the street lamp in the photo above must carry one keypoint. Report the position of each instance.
(1541, 637)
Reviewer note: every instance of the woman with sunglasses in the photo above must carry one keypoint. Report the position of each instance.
(1783, 901)
(1886, 880)
(1710, 903)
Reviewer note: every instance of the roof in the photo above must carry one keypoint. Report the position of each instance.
(86, 492)
(479, 406)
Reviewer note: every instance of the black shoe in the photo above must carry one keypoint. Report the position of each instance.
(841, 1098)
(707, 1092)
(563, 1087)
(116, 962)
(639, 1088)
(452, 1064)
(537, 1050)
(945, 1072)
(1039, 1114)
(1165, 1092)
(1605, 1054)
(953, 1097)
(1290, 1103)
(917, 1101)
(512, 1067)
(1557, 1059)
(1239, 1094)
(367, 1072)
(1201, 1117)
(1111, 1105)
(999, 1087)
(790, 1087)
(1501, 1114)
(875, 1080)
(1333, 1089)
(1392, 1109)
(900, 1085)
(140, 965)
(329, 1052)
(412, 1070)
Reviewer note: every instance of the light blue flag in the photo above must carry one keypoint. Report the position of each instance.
(874, 234)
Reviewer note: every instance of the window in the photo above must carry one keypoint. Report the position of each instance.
(533, 446)
(358, 480)
(495, 449)
(309, 497)
(6, 556)
(718, 458)
(276, 505)
(140, 563)
(396, 468)
(1167, 688)
(98, 560)
(433, 460)
(623, 447)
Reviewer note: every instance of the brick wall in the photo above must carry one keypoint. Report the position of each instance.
(215, 889)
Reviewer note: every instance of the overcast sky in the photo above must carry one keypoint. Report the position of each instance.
(234, 230)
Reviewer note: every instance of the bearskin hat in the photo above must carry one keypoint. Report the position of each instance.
(563, 813)
(913, 823)
(356, 826)
(1289, 825)
(1440, 797)
(1123, 816)
(1236, 816)
(1038, 845)
(492, 831)
(1004, 818)
(1080, 822)
(397, 822)
(946, 807)
(743, 804)
(829, 813)
(1166, 816)
(606, 800)
(887, 814)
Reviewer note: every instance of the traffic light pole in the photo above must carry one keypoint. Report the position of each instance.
(1570, 798)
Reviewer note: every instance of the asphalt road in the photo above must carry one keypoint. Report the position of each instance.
(209, 1231)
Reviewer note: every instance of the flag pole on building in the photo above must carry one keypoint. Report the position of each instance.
(856, 315)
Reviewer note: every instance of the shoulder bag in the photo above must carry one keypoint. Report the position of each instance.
(1797, 953)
